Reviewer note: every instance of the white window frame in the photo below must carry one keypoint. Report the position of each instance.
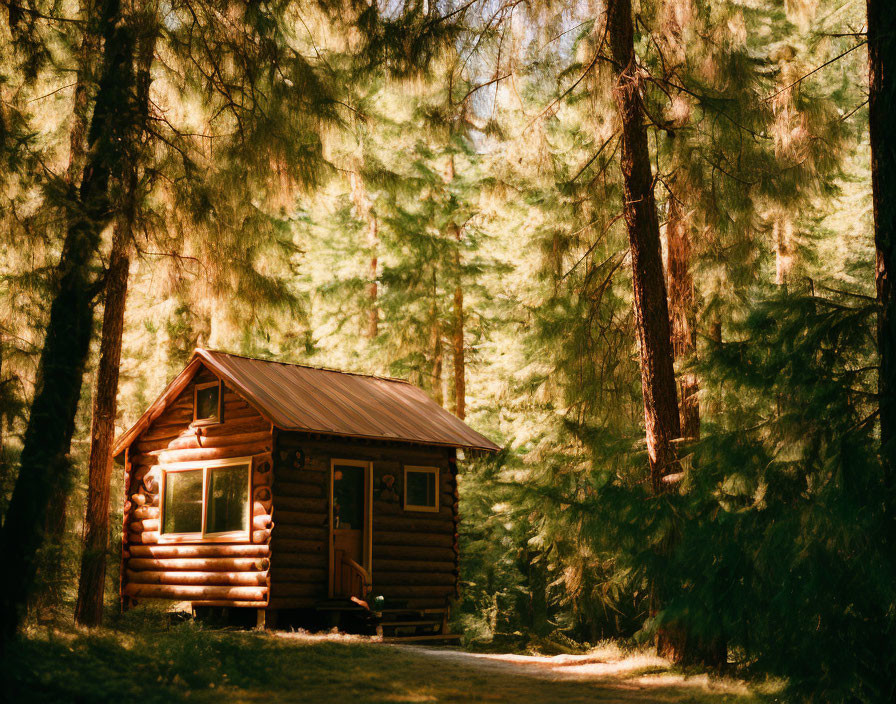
(207, 385)
(421, 470)
(231, 536)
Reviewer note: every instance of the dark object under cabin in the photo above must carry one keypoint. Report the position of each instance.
(294, 491)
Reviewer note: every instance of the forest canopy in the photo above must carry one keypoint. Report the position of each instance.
(643, 245)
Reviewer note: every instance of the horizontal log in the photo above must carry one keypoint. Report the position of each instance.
(198, 564)
(143, 512)
(212, 453)
(261, 536)
(231, 604)
(298, 574)
(138, 499)
(204, 551)
(228, 427)
(240, 413)
(292, 503)
(262, 521)
(147, 536)
(286, 589)
(413, 523)
(288, 532)
(259, 508)
(194, 441)
(306, 474)
(260, 479)
(383, 537)
(148, 524)
(192, 592)
(413, 552)
(413, 565)
(297, 552)
(429, 579)
(298, 518)
(298, 489)
(234, 579)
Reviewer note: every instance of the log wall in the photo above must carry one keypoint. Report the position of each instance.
(211, 574)
(414, 554)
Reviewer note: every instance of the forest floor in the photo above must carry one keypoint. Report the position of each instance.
(185, 663)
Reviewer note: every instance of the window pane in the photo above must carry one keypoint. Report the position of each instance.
(348, 496)
(183, 502)
(228, 499)
(207, 403)
(421, 489)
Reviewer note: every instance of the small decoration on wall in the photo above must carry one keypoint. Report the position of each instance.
(299, 461)
(388, 491)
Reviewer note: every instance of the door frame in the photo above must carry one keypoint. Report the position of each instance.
(367, 564)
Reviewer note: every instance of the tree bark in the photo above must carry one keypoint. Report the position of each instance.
(651, 308)
(683, 314)
(782, 230)
(435, 346)
(661, 419)
(458, 352)
(91, 587)
(373, 314)
(44, 462)
(881, 104)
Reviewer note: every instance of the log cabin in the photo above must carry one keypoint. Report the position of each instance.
(278, 488)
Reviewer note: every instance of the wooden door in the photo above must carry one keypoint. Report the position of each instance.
(350, 523)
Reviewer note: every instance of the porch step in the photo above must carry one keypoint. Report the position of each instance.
(445, 638)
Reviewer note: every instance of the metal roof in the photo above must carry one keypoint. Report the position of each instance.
(326, 401)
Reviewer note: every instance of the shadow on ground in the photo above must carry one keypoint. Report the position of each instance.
(187, 663)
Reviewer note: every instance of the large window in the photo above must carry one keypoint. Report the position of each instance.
(207, 402)
(421, 489)
(206, 501)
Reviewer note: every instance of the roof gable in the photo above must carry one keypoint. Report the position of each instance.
(309, 399)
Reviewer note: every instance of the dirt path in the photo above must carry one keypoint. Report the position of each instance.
(605, 675)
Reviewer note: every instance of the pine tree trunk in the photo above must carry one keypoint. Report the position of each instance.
(683, 315)
(91, 587)
(651, 307)
(435, 345)
(460, 382)
(661, 417)
(881, 106)
(44, 462)
(56, 521)
(373, 314)
(782, 230)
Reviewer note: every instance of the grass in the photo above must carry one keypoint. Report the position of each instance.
(149, 662)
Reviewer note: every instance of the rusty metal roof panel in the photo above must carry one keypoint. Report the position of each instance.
(302, 398)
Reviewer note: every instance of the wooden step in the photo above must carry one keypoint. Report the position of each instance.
(447, 637)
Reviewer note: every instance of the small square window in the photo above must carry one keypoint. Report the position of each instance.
(421, 489)
(207, 402)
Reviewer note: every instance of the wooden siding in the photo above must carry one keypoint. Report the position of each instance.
(414, 558)
(220, 574)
